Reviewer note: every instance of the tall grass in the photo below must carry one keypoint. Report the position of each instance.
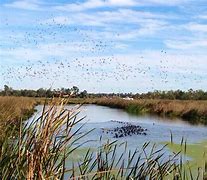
(193, 111)
(39, 149)
(12, 109)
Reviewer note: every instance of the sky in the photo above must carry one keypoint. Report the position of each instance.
(104, 45)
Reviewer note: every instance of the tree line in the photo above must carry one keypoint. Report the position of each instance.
(41, 92)
(75, 92)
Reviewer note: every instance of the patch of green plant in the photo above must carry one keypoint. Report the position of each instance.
(193, 159)
(136, 109)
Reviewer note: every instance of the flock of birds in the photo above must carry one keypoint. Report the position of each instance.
(127, 129)
(91, 59)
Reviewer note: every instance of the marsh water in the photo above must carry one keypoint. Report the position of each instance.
(158, 129)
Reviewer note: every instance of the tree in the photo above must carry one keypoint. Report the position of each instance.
(75, 90)
(83, 94)
(7, 90)
(41, 92)
(49, 93)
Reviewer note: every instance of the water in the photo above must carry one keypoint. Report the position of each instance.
(158, 129)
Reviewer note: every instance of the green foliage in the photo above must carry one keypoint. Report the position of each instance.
(178, 94)
(75, 92)
(134, 109)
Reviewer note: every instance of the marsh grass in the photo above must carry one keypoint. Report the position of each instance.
(39, 149)
(192, 111)
(43, 147)
(12, 110)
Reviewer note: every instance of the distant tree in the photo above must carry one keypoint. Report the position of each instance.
(62, 90)
(49, 93)
(75, 90)
(83, 94)
(68, 91)
(178, 94)
(7, 90)
(41, 92)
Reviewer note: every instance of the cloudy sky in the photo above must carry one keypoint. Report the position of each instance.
(104, 45)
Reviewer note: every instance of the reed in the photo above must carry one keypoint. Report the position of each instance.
(38, 151)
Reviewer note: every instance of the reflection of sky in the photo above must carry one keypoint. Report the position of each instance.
(158, 128)
(128, 34)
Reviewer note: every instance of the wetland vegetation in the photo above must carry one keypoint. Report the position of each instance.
(189, 105)
(45, 147)
(13, 110)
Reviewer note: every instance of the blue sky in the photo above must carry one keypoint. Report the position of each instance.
(104, 45)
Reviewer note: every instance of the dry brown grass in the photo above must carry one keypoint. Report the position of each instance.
(12, 109)
(191, 110)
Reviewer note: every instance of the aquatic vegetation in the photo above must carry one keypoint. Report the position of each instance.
(39, 149)
(193, 158)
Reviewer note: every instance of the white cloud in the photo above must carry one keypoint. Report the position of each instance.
(92, 4)
(43, 51)
(121, 2)
(80, 6)
(164, 2)
(197, 27)
(203, 16)
(144, 23)
(63, 20)
(25, 4)
(190, 44)
(188, 36)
